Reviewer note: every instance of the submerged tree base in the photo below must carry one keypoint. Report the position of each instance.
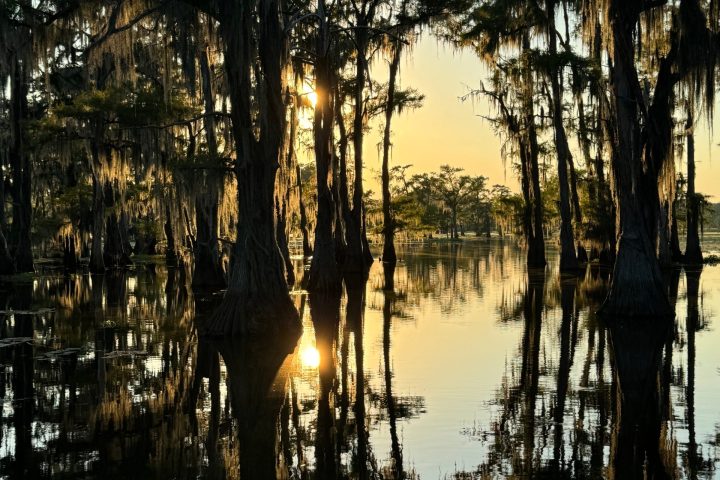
(324, 275)
(637, 289)
(243, 314)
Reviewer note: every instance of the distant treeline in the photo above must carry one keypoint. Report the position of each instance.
(711, 219)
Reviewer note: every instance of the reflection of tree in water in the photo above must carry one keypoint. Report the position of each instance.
(120, 387)
(119, 355)
(448, 272)
(390, 407)
(559, 419)
(258, 374)
(336, 441)
(103, 371)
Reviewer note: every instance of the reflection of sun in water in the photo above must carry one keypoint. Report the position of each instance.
(309, 356)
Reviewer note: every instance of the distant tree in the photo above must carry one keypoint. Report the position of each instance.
(477, 206)
(452, 189)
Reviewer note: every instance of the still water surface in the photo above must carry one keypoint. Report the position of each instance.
(463, 366)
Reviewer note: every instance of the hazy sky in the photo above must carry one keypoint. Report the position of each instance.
(446, 130)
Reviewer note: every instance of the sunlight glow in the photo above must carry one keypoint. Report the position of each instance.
(308, 100)
(309, 357)
(312, 96)
(309, 92)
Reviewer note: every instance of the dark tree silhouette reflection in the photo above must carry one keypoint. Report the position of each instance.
(637, 449)
(103, 376)
(258, 372)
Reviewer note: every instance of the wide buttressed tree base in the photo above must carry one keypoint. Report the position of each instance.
(637, 289)
(257, 313)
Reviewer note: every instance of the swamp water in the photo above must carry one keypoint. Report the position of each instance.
(464, 366)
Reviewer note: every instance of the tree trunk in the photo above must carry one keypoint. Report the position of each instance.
(389, 256)
(257, 299)
(536, 247)
(603, 133)
(664, 220)
(7, 266)
(208, 273)
(307, 249)
(70, 256)
(568, 256)
(583, 133)
(20, 166)
(677, 255)
(324, 275)
(637, 287)
(293, 167)
(340, 185)
(356, 256)
(574, 195)
(97, 261)
(282, 236)
(114, 253)
(285, 185)
(171, 252)
(145, 240)
(536, 241)
(527, 211)
(693, 252)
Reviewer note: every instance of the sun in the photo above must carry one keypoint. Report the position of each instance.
(309, 357)
(312, 96)
(309, 92)
(309, 98)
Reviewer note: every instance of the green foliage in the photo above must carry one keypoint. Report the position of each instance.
(69, 207)
(128, 106)
(426, 203)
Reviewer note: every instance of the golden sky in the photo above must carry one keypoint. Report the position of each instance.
(446, 130)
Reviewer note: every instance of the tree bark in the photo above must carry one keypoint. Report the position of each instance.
(307, 249)
(21, 170)
(257, 299)
(324, 274)
(693, 252)
(389, 256)
(637, 287)
(114, 254)
(97, 261)
(568, 255)
(536, 241)
(356, 259)
(208, 273)
(171, 252)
